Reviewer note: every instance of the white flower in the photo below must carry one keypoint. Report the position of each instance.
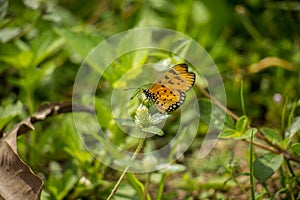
(142, 117)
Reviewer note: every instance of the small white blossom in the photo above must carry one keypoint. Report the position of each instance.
(142, 117)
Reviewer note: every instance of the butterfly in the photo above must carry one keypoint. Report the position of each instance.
(168, 91)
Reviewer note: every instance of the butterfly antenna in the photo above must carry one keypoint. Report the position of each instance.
(138, 90)
(135, 94)
(125, 89)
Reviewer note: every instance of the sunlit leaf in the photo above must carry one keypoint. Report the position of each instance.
(271, 135)
(126, 122)
(171, 168)
(158, 118)
(200, 13)
(81, 42)
(234, 134)
(241, 124)
(9, 112)
(153, 129)
(7, 34)
(13, 55)
(44, 46)
(33, 4)
(103, 111)
(248, 133)
(3, 8)
(295, 148)
(228, 133)
(295, 127)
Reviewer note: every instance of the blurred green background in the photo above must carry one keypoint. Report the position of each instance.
(43, 43)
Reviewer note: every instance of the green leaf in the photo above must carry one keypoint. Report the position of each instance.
(228, 133)
(3, 9)
(271, 135)
(103, 112)
(295, 127)
(136, 184)
(248, 132)
(126, 122)
(80, 42)
(158, 118)
(9, 112)
(266, 165)
(295, 148)
(44, 46)
(233, 134)
(15, 55)
(7, 34)
(241, 124)
(140, 57)
(153, 129)
(199, 13)
(23, 55)
(33, 4)
(60, 184)
(171, 168)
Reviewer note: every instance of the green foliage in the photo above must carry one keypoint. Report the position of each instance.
(240, 131)
(145, 121)
(9, 112)
(266, 165)
(295, 148)
(59, 183)
(254, 44)
(272, 135)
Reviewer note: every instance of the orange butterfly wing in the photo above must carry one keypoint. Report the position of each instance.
(168, 91)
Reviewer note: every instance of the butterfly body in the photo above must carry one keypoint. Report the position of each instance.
(168, 91)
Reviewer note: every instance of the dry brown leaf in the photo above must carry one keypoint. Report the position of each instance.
(17, 180)
(269, 62)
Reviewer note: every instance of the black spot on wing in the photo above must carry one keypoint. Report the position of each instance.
(177, 104)
(171, 82)
(172, 71)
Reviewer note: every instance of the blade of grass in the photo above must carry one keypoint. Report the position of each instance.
(283, 117)
(242, 98)
(292, 114)
(138, 186)
(251, 168)
(161, 187)
(146, 195)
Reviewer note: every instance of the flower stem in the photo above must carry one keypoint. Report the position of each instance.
(146, 190)
(137, 150)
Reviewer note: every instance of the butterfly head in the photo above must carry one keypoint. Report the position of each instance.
(147, 93)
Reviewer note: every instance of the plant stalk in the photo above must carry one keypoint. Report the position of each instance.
(138, 149)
